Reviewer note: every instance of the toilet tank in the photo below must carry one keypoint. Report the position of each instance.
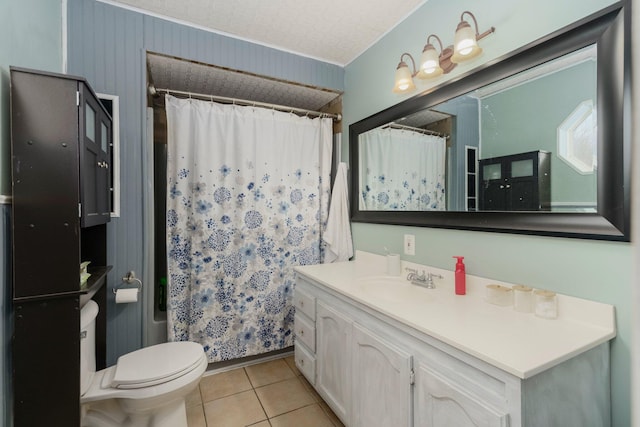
(87, 344)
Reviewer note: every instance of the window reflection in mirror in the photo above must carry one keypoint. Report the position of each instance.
(421, 162)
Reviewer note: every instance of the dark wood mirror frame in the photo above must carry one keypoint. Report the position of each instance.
(609, 30)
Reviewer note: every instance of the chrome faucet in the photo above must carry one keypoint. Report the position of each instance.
(422, 279)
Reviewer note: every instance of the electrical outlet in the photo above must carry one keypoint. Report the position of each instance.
(409, 244)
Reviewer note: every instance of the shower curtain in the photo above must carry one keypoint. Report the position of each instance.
(247, 200)
(402, 170)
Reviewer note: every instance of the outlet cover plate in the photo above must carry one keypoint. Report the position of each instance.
(409, 244)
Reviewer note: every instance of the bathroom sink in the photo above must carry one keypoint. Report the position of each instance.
(391, 289)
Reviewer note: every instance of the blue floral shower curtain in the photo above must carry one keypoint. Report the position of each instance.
(247, 200)
(408, 179)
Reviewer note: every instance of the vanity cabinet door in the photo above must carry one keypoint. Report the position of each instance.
(333, 359)
(381, 376)
(442, 403)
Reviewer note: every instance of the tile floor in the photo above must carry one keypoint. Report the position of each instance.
(268, 394)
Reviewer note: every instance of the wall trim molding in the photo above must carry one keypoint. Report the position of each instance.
(5, 200)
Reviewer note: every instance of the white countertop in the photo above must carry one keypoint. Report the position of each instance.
(518, 343)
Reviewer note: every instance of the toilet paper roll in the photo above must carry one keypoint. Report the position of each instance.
(126, 295)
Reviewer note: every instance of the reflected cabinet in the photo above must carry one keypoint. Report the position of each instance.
(518, 182)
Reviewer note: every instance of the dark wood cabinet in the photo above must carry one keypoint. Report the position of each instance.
(518, 182)
(59, 219)
(95, 159)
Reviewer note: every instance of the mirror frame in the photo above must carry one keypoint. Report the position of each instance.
(609, 30)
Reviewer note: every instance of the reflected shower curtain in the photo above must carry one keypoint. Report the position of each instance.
(402, 170)
(248, 191)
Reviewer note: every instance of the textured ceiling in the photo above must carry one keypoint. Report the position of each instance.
(188, 76)
(335, 31)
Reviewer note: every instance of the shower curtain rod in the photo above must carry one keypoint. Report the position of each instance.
(337, 117)
(415, 129)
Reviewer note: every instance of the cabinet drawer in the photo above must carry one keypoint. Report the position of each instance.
(305, 303)
(306, 363)
(305, 331)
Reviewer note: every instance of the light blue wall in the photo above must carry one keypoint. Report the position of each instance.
(107, 45)
(30, 36)
(600, 271)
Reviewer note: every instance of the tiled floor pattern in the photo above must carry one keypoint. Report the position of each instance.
(268, 394)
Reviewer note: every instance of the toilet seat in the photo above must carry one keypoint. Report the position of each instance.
(154, 365)
(102, 387)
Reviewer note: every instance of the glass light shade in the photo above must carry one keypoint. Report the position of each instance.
(429, 63)
(403, 80)
(465, 45)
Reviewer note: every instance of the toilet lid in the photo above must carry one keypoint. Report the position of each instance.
(156, 364)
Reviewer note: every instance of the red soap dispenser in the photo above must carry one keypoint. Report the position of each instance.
(461, 282)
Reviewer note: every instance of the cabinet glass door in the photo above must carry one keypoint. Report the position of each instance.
(492, 171)
(104, 137)
(522, 168)
(90, 122)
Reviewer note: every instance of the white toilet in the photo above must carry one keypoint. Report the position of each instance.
(146, 388)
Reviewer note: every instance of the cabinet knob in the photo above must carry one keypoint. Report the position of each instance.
(301, 303)
(301, 332)
(301, 361)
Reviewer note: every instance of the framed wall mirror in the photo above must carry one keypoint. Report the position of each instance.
(533, 143)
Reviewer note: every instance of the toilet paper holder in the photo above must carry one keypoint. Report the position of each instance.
(130, 278)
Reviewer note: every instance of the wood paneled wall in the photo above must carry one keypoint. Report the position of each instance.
(107, 45)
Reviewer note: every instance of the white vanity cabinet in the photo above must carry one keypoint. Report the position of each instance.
(364, 378)
(373, 368)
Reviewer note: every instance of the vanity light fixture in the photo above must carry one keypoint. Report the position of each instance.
(404, 76)
(433, 64)
(465, 44)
